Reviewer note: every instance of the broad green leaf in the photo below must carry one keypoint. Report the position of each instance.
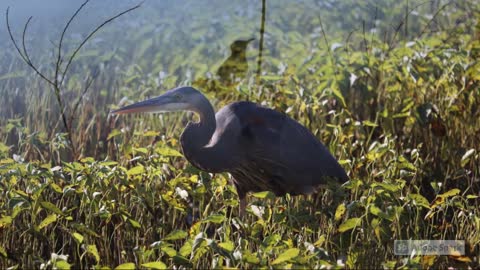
(78, 237)
(142, 150)
(150, 133)
(450, 193)
(56, 188)
(264, 194)
(155, 265)
(52, 207)
(126, 266)
(134, 223)
(3, 252)
(369, 123)
(186, 249)
(340, 212)
(48, 220)
(337, 93)
(168, 152)
(108, 163)
(349, 224)
(5, 221)
(92, 249)
(419, 200)
(171, 252)
(114, 133)
(176, 235)
(215, 218)
(136, 170)
(250, 258)
(228, 246)
(286, 255)
(61, 264)
(4, 148)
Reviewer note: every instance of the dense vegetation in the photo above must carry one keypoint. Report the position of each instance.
(392, 89)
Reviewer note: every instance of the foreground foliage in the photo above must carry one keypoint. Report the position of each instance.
(400, 111)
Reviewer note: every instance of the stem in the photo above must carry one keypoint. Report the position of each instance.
(262, 31)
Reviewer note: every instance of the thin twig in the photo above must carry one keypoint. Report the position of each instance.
(25, 52)
(85, 90)
(397, 29)
(328, 47)
(433, 18)
(59, 54)
(91, 34)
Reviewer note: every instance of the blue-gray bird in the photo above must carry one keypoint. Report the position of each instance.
(263, 150)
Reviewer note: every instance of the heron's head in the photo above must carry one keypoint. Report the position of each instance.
(179, 99)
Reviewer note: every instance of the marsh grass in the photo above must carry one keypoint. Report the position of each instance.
(401, 113)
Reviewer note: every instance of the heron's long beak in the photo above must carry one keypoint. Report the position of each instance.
(163, 103)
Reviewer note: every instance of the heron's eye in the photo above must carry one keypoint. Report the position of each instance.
(177, 96)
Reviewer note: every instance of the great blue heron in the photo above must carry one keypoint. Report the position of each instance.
(236, 65)
(263, 150)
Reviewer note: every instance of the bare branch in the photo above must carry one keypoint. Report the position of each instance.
(433, 18)
(12, 38)
(25, 52)
(24, 55)
(91, 34)
(59, 55)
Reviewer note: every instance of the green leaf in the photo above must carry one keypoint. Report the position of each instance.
(264, 194)
(4, 148)
(52, 207)
(78, 237)
(136, 170)
(176, 235)
(186, 249)
(171, 252)
(61, 264)
(3, 252)
(92, 249)
(337, 93)
(168, 152)
(419, 200)
(286, 255)
(450, 193)
(349, 224)
(114, 133)
(56, 188)
(215, 218)
(150, 133)
(5, 220)
(134, 223)
(369, 123)
(155, 265)
(340, 212)
(126, 266)
(250, 258)
(48, 220)
(228, 246)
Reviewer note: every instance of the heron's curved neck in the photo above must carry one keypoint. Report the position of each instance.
(196, 137)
